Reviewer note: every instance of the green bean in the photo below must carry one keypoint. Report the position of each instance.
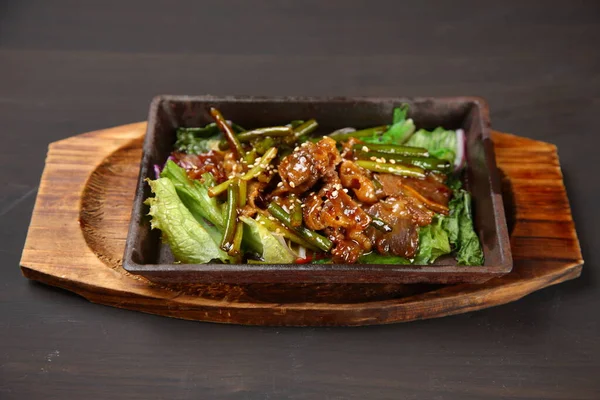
(310, 236)
(239, 231)
(235, 250)
(274, 225)
(392, 149)
(295, 211)
(231, 225)
(259, 145)
(243, 192)
(208, 130)
(306, 128)
(429, 163)
(394, 169)
(262, 145)
(223, 145)
(359, 134)
(220, 188)
(250, 157)
(264, 162)
(296, 123)
(380, 225)
(262, 132)
(228, 132)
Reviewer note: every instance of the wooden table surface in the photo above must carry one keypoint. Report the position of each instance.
(68, 67)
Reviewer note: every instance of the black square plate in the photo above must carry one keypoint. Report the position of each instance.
(146, 255)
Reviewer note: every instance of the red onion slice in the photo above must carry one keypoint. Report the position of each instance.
(460, 160)
(342, 131)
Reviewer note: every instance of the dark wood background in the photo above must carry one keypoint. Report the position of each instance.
(68, 67)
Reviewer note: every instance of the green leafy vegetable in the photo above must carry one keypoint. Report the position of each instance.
(374, 258)
(189, 240)
(433, 242)
(440, 143)
(400, 114)
(271, 249)
(450, 224)
(202, 139)
(194, 194)
(454, 182)
(198, 226)
(399, 132)
(314, 238)
(199, 140)
(459, 226)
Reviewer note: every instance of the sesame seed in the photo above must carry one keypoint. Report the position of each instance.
(392, 161)
(345, 190)
(280, 184)
(373, 158)
(334, 194)
(292, 185)
(365, 148)
(302, 205)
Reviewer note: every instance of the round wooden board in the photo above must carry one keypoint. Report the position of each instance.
(80, 220)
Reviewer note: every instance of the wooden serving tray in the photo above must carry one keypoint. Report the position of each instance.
(80, 222)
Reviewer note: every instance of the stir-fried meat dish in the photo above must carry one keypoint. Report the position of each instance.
(280, 194)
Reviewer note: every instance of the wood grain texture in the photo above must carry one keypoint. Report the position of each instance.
(86, 192)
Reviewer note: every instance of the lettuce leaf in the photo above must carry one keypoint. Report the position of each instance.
(271, 249)
(190, 241)
(433, 242)
(400, 130)
(201, 140)
(454, 231)
(459, 226)
(198, 140)
(454, 182)
(194, 194)
(441, 143)
(400, 114)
